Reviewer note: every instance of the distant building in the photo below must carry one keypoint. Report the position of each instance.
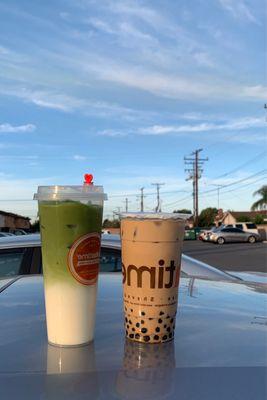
(232, 217)
(10, 221)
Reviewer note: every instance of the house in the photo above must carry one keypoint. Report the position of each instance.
(232, 217)
(10, 221)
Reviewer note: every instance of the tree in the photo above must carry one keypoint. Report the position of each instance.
(183, 211)
(207, 216)
(260, 204)
(35, 226)
(259, 219)
(111, 224)
(242, 218)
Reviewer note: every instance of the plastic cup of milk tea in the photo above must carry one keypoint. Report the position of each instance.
(151, 260)
(70, 224)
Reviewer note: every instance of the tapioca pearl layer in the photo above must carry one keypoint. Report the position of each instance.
(150, 330)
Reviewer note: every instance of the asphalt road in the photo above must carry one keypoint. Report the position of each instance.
(232, 256)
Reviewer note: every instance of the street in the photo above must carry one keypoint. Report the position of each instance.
(232, 256)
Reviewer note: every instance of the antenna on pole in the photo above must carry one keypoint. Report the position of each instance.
(158, 207)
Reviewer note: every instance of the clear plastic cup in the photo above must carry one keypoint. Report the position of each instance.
(151, 260)
(70, 223)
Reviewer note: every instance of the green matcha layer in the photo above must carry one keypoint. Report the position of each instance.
(62, 222)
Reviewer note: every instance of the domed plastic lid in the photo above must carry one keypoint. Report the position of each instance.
(88, 191)
(154, 215)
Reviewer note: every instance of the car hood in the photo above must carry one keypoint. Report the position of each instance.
(219, 349)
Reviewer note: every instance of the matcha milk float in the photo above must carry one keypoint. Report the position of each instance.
(151, 259)
(70, 222)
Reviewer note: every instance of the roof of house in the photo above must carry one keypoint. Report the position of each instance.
(250, 214)
(10, 214)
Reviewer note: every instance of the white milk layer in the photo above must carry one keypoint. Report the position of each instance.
(70, 313)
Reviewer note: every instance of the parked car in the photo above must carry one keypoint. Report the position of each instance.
(219, 349)
(245, 226)
(5, 234)
(232, 235)
(204, 235)
(18, 232)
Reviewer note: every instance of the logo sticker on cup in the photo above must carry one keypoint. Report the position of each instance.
(83, 258)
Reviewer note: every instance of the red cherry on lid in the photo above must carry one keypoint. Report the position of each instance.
(88, 179)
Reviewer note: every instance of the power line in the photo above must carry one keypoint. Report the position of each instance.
(238, 181)
(147, 194)
(195, 171)
(242, 165)
(238, 188)
(178, 201)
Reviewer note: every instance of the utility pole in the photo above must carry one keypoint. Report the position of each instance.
(158, 207)
(195, 171)
(126, 204)
(142, 200)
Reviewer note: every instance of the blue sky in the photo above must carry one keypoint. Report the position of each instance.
(126, 89)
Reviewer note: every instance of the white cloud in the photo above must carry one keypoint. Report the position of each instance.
(204, 59)
(78, 157)
(66, 103)
(135, 9)
(102, 25)
(172, 86)
(239, 124)
(239, 10)
(112, 133)
(255, 92)
(8, 128)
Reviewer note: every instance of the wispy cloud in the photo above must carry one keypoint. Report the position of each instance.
(239, 10)
(78, 157)
(234, 125)
(50, 99)
(135, 9)
(172, 85)
(8, 128)
(113, 133)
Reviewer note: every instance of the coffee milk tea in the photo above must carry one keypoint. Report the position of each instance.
(151, 260)
(70, 223)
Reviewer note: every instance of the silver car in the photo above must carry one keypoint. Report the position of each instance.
(231, 235)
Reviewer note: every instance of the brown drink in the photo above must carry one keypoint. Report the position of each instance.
(151, 258)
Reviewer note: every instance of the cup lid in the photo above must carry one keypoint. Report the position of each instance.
(84, 192)
(154, 215)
